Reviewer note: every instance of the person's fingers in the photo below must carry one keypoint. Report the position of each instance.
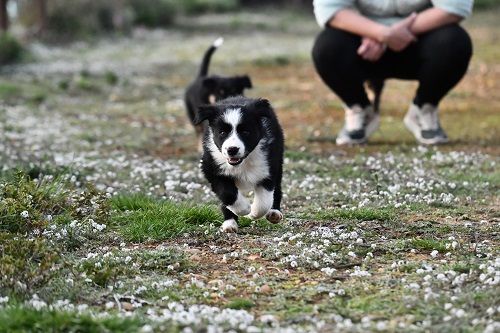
(377, 54)
(372, 51)
(362, 49)
(398, 46)
(367, 55)
(411, 36)
(408, 21)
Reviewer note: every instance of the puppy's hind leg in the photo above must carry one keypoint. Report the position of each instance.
(274, 215)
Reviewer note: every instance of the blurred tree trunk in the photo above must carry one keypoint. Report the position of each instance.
(42, 15)
(4, 18)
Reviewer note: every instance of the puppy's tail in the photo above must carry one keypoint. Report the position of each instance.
(208, 54)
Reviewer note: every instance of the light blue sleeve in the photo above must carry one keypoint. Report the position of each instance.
(461, 8)
(324, 10)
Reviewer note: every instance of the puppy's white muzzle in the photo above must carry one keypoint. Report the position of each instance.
(233, 149)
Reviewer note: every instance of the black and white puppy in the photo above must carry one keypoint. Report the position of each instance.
(207, 89)
(243, 151)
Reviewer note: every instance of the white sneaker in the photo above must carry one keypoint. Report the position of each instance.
(424, 124)
(359, 125)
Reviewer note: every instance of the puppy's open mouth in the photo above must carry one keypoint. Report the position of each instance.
(234, 160)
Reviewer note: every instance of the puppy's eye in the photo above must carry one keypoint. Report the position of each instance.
(222, 133)
(245, 133)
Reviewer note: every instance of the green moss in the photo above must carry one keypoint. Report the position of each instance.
(25, 263)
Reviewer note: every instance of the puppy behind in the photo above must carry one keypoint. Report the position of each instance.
(209, 89)
(243, 151)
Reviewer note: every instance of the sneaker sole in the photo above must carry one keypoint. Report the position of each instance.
(349, 141)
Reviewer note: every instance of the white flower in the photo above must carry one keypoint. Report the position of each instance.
(359, 272)
(25, 214)
(82, 307)
(267, 318)
(434, 253)
(146, 329)
(328, 271)
(460, 313)
(381, 326)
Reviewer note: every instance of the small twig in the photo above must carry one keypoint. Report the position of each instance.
(354, 264)
(118, 302)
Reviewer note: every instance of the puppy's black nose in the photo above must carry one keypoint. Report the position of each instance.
(231, 151)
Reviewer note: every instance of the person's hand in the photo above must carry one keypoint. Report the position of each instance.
(398, 36)
(370, 49)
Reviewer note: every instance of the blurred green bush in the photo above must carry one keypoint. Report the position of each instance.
(10, 49)
(79, 18)
(153, 13)
(482, 4)
(203, 6)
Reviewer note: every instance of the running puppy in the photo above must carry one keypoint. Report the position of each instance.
(209, 89)
(243, 151)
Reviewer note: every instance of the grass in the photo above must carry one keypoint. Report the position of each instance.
(141, 218)
(240, 304)
(358, 214)
(428, 245)
(22, 319)
(29, 92)
(8, 89)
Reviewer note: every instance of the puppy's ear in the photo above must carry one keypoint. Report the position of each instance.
(263, 107)
(204, 112)
(245, 81)
(209, 83)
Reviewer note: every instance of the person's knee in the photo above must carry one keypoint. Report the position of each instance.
(454, 42)
(333, 48)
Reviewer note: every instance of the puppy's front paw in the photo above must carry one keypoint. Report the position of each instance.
(229, 226)
(241, 207)
(274, 216)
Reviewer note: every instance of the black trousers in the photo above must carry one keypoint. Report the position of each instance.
(438, 60)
